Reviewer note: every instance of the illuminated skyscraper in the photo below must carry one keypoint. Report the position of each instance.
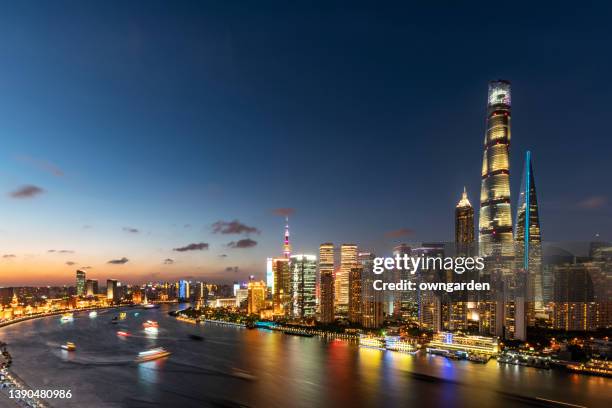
(91, 287)
(282, 286)
(528, 237)
(269, 275)
(372, 300)
(256, 296)
(464, 223)
(80, 283)
(183, 290)
(355, 293)
(495, 222)
(348, 260)
(326, 272)
(303, 285)
(112, 292)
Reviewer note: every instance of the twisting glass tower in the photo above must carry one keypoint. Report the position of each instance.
(495, 221)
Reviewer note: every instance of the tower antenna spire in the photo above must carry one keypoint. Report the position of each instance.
(286, 244)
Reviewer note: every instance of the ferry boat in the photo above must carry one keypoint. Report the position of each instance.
(152, 354)
(187, 320)
(395, 343)
(93, 314)
(69, 346)
(67, 317)
(593, 367)
(150, 323)
(372, 342)
(479, 358)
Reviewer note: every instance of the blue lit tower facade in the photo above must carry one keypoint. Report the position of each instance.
(495, 221)
(528, 238)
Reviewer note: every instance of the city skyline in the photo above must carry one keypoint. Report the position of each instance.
(91, 170)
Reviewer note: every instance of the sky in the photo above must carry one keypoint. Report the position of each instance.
(154, 140)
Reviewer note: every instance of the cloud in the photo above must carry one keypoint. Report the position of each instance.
(233, 227)
(243, 243)
(398, 233)
(27, 191)
(87, 267)
(87, 227)
(43, 165)
(61, 251)
(283, 212)
(187, 226)
(223, 256)
(593, 203)
(168, 261)
(121, 261)
(70, 263)
(192, 247)
(131, 230)
(9, 256)
(231, 269)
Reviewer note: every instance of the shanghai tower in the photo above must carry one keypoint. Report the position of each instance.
(495, 221)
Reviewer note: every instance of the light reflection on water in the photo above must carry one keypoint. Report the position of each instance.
(262, 368)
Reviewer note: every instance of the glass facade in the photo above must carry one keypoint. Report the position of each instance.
(303, 286)
(495, 221)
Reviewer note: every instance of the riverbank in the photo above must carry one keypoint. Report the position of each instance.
(9, 381)
(56, 313)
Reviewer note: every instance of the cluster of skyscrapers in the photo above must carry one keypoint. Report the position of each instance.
(304, 288)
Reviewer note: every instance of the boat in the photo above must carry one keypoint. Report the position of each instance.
(69, 346)
(601, 368)
(150, 306)
(300, 334)
(93, 314)
(187, 319)
(152, 354)
(150, 323)
(67, 317)
(122, 333)
(372, 342)
(479, 358)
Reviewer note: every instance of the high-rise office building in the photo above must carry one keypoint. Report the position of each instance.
(112, 291)
(183, 290)
(528, 238)
(326, 273)
(372, 300)
(464, 223)
(80, 282)
(270, 274)
(355, 294)
(348, 260)
(429, 302)
(281, 296)
(303, 286)
(91, 287)
(256, 296)
(495, 221)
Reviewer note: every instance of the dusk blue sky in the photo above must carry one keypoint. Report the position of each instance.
(166, 117)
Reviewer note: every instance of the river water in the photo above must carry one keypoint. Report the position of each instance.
(283, 371)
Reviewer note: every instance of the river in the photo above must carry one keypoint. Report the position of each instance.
(283, 371)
